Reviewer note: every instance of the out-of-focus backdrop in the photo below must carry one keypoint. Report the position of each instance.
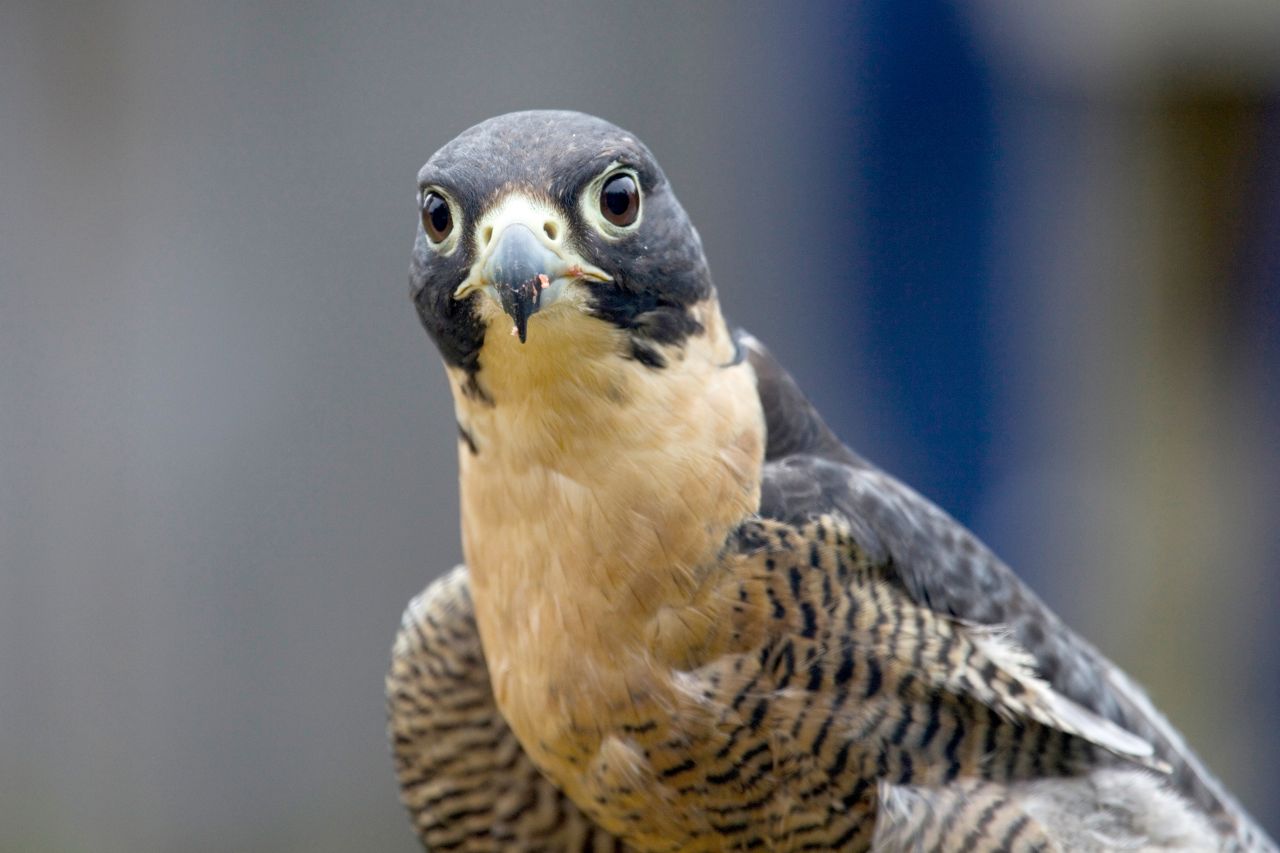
(1027, 256)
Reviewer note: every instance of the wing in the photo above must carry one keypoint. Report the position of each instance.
(1107, 810)
(466, 781)
(941, 565)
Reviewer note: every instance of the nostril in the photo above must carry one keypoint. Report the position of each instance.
(487, 234)
(549, 228)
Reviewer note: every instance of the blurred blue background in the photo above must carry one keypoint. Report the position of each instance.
(1028, 259)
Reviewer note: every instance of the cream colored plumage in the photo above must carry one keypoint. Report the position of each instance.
(693, 620)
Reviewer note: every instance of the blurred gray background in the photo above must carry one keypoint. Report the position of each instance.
(1027, 259)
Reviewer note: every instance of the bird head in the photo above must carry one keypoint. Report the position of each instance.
(554, 228)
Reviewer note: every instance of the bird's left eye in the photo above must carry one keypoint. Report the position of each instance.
(437, 221)
(620, 200)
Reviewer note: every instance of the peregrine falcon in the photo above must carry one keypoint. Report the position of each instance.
(690, 618)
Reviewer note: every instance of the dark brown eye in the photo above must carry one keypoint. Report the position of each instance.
(620, 200)
(436, 219)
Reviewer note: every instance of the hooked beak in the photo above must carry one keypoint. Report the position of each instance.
(524, 274)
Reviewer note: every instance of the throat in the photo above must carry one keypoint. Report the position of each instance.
(597, 500)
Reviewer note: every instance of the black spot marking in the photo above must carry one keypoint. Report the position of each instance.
(845, 672)
(873, 679)
(810, 629)
(815, 678)
(472, 391)
(757, 714)
(907, 770)
(647, 355)
(934, 720)
(787, 663)
(683, 767)
(950, 751)
(650, 314)
(467, 440)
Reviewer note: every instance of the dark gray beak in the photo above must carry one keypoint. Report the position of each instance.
(524, 273)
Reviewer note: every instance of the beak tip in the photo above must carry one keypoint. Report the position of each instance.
(519, 305)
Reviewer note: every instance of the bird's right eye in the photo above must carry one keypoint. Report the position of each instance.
(437, 221)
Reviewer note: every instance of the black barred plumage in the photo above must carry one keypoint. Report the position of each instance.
(463, 776)
(892, 692)
(693, 620)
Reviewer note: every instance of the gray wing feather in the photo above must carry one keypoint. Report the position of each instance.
(1109, 810)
